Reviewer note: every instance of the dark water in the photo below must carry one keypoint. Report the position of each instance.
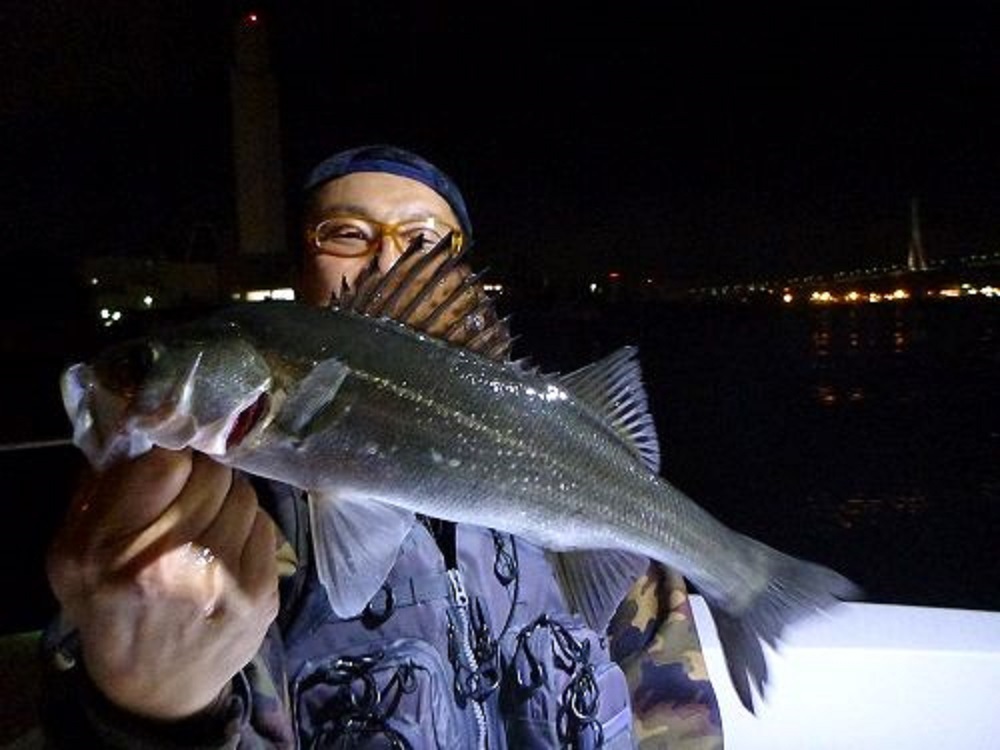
(866, 437)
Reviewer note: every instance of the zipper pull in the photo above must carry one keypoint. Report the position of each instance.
(458, 588)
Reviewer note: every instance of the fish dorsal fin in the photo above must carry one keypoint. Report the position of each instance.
(435, 293)
(613, 387)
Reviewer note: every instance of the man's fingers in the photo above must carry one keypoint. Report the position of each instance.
(228, 532)
(110, 508)
(129, 495)
(241, 545)
(242, 538)
(199, 503)
(193, 510)
(258, 563)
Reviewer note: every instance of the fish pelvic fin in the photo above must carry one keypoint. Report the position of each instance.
(613, 388)
(796, 589)
(356, 543)
(435, 293)
(594, 582)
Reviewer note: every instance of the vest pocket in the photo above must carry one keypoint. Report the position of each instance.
(395, 695)
(561, 690)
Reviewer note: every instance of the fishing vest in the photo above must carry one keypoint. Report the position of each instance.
(482, 655)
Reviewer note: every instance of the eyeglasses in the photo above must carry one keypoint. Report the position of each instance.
(350, 236)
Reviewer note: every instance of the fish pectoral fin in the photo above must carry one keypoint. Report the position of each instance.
(595, 581)
(307, 401)
(356, 542)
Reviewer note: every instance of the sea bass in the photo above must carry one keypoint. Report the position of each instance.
(379, 421)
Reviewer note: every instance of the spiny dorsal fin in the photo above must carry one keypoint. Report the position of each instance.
(613, 387)
(433, 292)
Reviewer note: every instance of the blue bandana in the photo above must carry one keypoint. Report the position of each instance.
(392, 160)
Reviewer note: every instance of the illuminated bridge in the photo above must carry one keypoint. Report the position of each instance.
(970, 276)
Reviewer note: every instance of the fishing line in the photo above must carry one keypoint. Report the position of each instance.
(34, 444)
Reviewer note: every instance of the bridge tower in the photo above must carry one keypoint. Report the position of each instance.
(916, 260)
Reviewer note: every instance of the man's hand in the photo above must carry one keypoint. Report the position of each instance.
(166, 565)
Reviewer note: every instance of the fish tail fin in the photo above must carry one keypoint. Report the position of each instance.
(795, 589)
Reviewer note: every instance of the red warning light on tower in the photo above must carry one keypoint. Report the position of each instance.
(251, 18)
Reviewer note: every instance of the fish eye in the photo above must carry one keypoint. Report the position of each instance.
(126, 366)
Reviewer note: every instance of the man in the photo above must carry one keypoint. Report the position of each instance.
(181, 627)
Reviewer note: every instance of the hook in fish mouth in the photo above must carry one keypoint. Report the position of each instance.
(247, 420)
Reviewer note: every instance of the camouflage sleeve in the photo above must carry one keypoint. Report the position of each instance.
(653, 638)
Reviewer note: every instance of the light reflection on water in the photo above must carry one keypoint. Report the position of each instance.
(872, 510)
(866, 437)
(905, 435)
(898, 353)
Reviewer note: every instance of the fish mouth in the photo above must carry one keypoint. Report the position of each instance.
(98, 419)
(248, 419)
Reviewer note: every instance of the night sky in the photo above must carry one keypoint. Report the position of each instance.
(686, 144)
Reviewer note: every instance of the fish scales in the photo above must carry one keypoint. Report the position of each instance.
(467, 421)
(372, 417)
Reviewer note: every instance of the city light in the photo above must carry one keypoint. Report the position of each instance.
(262, 295)
(867, 285)
(110, 317)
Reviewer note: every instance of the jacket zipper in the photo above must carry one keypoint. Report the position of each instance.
(461, 598)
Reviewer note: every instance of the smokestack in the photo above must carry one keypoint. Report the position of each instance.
(260, 201)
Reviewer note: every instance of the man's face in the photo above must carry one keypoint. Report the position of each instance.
(385, 200)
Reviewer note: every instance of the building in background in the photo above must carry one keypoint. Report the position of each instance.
(248, 257)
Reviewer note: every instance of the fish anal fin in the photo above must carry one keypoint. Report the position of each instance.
(594, 582)
(356, 543)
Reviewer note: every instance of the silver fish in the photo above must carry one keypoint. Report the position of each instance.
(378, 421)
